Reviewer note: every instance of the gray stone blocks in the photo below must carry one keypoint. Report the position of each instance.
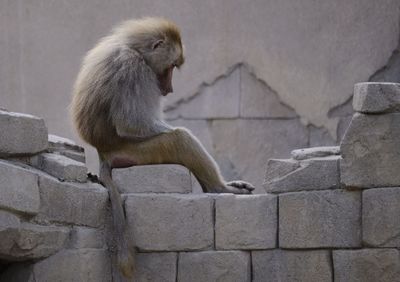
(156, 267)
(60, 166)
(308, 174)
(85, 265)
(245, 222)
(283, 265)
(22, 134)
(381, 220)
(66, 147)
(153, 179)
(375, 98)
(28, 241)
(367, 265)
(222, 266)
(315, 152)
(84, 237)
(171, 222)
(19, 189)
(318, 219)
(370, 150)
(68, 202)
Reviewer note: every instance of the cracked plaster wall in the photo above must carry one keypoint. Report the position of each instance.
(304, 55)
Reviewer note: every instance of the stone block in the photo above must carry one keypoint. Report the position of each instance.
(19, 189)
(8, 219)
(22, 134)
(380, 219)
(66, 147)
(75, 203)
(309, 174)
(221, 266)
(171, 222)
(220, 99)
(320, 219)
(245, 221)
(370, 150)
(283, 265)
(58, 143)
(153, 179)
(60, 166)
(367, 265)
(315, 152)
(29, 241)
(259, 100)
(85, 265)
(375, 98)
(156, 267)
(84, 237)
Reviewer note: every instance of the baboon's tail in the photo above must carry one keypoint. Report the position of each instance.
(125, 252)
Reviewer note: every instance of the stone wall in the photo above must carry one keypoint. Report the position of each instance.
(329, 214)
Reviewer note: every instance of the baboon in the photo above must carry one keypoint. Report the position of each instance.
(116, 108)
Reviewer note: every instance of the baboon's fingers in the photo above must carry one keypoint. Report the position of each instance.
(241, 185)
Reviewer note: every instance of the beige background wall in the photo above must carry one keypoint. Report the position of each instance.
(261, 77)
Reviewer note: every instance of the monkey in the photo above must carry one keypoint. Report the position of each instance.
(116, 107)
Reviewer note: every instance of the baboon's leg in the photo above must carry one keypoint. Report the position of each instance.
(179, 147)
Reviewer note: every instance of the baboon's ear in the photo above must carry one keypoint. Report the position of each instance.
(158, 43)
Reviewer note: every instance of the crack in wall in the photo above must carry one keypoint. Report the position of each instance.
(240, 66)
(201, 88)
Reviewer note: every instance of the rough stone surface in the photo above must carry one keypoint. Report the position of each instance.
(66, 147)
(29, 241)
(171, 222)
(83, 237)
(381, 221)
(62, 167)
(8, 219)
(281, 265)
(19, 189)
(21, 134)
(317, 219)
(368, 265)
(315, 152)
(277, 168)
(156, 267)
(373, 97)
(245, 222)
(76, 203)
(86, 265)
(224, 266)
(370, 151)
(153, 179)
(310, 174)
(57, 143)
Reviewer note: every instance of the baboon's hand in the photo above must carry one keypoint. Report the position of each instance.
(240, 187)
